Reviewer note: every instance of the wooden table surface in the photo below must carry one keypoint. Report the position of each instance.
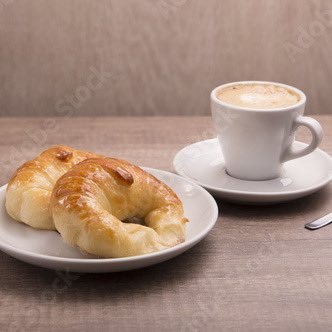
(258, 269)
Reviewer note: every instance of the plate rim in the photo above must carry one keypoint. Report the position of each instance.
(6, 247)
(252, 193)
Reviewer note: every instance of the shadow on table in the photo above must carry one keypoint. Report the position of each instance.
(319, 202)
(21, 279)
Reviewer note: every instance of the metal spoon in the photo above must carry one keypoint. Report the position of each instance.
(321, 222)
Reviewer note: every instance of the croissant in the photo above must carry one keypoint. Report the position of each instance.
(29, 190)
(93, 206)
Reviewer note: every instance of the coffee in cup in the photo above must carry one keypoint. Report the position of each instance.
(256, 124)
(258, 96)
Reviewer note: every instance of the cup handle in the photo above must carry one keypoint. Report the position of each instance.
(316, 132)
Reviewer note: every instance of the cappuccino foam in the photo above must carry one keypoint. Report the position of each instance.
(258, 96)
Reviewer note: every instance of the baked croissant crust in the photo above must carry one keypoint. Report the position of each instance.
(93, 203)
(29, 190)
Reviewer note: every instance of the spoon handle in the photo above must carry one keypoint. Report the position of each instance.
(321, 222)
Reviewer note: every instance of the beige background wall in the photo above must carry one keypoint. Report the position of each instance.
(157, 56)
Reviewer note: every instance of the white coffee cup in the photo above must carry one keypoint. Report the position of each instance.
(255, 142)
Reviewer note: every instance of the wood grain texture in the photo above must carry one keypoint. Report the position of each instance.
(161, 57)
(257, 270)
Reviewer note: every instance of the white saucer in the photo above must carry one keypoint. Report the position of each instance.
(203, 163)
(46, 248)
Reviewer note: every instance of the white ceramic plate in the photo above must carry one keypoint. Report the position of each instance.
(46, 248)
(203, 163)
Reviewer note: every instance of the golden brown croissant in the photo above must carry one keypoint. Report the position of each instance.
(29, 190)
(91, 201)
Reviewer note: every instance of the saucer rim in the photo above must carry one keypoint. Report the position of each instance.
(252, 193)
